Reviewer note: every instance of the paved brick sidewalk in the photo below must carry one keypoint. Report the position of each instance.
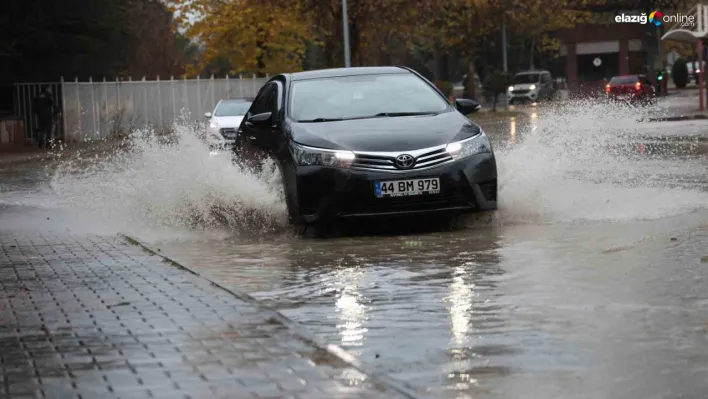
(96, 317)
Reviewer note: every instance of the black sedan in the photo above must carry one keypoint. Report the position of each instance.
(370, 141)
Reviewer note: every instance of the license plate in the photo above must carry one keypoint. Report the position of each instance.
(404, 188)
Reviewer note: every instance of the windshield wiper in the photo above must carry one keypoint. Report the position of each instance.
(321, 120)
(333, 119)
(379, 115)
(404, 113)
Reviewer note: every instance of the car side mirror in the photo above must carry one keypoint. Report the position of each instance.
(467, 106)
(207, 115)
(263, 119)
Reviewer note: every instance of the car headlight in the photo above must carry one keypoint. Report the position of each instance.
(532, 87)
(214, 125)
(478, 144)
(309, 156)
(511, 88)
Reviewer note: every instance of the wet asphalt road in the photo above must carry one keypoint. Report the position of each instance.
(593, 286)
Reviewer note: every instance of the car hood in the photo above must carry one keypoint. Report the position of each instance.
(524, 86)
(402, 133)
(228, 121)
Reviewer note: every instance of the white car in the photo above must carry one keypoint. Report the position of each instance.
(225, 121)
(531, 86)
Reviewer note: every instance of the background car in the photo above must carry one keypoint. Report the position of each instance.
(369, 142)
(225, 120)
(531, 86)
(631, 88)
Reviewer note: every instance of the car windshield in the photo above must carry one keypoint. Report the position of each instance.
(232, 108)
(526, 78)
(623, 80)
(364, 96)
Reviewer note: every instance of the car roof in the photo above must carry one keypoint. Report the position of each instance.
(531, 72)
(237, 100)
(340, 72)
(634, 75)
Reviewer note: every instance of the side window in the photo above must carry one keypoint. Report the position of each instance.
(545, 78)
(278, 100)
(264, 100)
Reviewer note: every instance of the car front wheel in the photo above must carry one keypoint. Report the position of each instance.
(295, 219)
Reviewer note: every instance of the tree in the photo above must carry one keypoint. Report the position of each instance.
(455, 26)
(263, 37)
(46, 39)
(539, 19)
(376, 29)
(155, 49)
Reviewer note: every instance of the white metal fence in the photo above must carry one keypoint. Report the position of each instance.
(24, 104)
(99, 109)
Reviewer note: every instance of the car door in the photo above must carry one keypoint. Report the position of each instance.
(255, 137)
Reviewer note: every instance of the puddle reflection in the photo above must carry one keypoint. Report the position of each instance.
(431, 296)
(352, 313)
(460, 304)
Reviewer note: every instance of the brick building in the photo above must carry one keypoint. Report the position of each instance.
(594, 52)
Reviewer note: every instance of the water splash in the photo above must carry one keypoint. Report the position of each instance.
(583, 161)
(579, 162)
(173, 181)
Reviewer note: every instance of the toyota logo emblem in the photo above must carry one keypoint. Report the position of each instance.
(404, 161)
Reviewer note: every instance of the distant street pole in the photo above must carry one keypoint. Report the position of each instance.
(506, 66)
(345, 25)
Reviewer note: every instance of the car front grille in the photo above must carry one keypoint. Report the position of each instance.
(386, 161)
(521, 91)
(428, 202)
(228, 133)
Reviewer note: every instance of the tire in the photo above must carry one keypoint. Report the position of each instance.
(297, 223)
(295, 218)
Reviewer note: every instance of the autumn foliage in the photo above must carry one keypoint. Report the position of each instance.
(43, 40)
(261, 36)
(271, 36)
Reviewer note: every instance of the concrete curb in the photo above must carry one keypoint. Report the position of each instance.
(679, 118)
(296, 328)
(693, 140)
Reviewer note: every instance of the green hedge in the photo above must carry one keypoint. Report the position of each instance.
(498, 82)
(446, 87)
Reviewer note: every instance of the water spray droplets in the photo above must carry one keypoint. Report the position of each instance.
(577, 162)
(580, 162)
(172, 180)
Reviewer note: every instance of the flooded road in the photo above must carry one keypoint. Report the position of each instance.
(591, 310)
(590, 281)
